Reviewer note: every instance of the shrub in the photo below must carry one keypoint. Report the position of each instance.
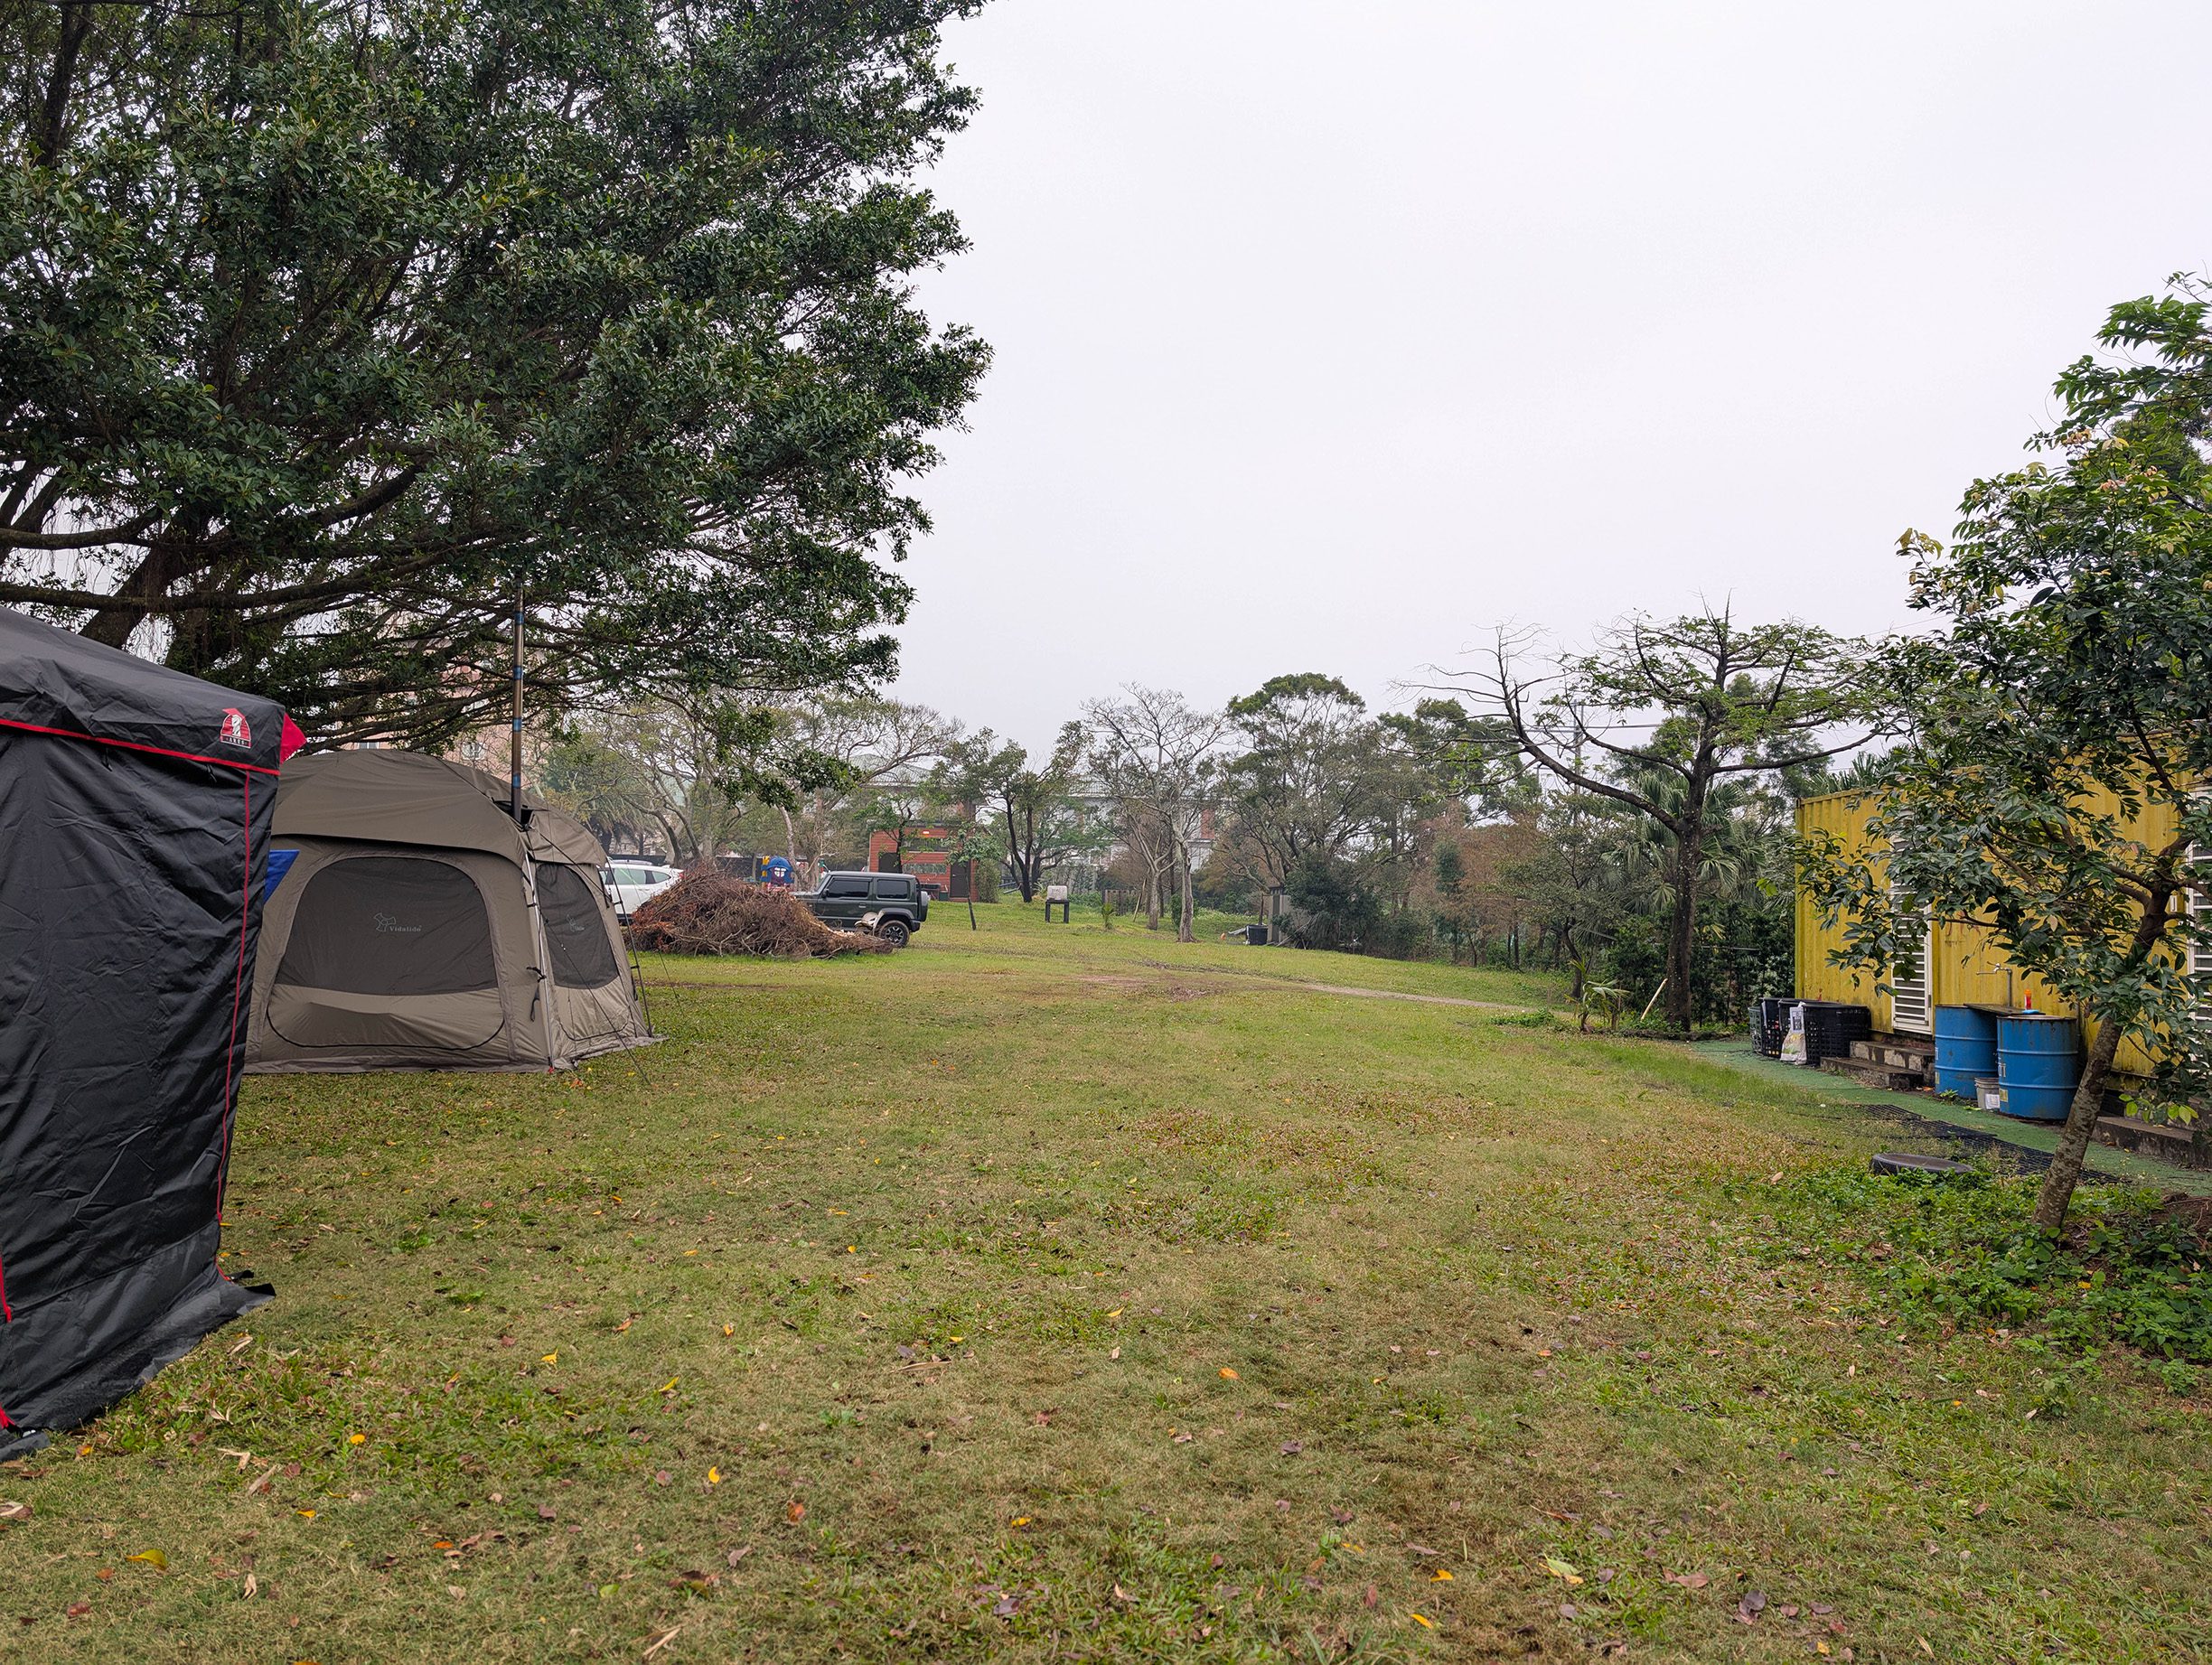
(2132, 1269)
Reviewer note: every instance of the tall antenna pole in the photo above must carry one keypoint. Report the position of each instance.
(514, 739)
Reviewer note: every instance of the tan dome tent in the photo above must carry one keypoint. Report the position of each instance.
(415, 927)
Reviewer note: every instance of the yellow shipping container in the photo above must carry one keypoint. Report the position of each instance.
(1963, 966)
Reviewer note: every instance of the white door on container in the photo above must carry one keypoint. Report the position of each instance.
(1912, 985)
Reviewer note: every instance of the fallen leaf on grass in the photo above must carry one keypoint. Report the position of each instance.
(738, 1554)
(1228, 1374)
(548, 1358)
(1561, 1569)
(1924, 1646)
(1689, 1581)
(665, 1638)
(1441, 1576)
(77, 1610)
(15, 1512)
(1369, 1597)
(1291, 1447)
(795, 1511)
(252, 1588)
(1120, 1594)
(1423, 1620)
(714, 1476)
(153, 1559)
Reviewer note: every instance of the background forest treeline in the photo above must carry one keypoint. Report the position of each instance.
(1444, 831)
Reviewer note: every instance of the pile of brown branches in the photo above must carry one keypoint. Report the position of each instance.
(709, 912)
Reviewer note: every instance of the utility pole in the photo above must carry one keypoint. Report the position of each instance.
(514, 739)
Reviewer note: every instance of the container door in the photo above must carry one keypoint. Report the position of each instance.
(1912, 1005)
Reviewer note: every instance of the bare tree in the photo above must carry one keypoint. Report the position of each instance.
(1159, 759)
(877, 745)
(1672, 710)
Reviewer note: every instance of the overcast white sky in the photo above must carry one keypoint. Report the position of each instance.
(1330, 335)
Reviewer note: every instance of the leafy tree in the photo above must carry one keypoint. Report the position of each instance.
(1571, 877)
(1305, 787)
(326, 330)
(1034, 823)
(2060, 714)
(1693, 703)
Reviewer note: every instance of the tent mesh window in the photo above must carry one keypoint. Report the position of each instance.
(390, 925)
(583, 955)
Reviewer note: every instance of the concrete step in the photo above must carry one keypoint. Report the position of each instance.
(1899, 1051)
(1869, 1074)
(2183, 1147)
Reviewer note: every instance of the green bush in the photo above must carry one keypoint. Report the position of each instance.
(1963, 1251)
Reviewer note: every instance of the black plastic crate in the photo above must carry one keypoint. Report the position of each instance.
(1830, 1027)
(1770, 1024)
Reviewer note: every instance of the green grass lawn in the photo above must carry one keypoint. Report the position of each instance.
(1051, 1292)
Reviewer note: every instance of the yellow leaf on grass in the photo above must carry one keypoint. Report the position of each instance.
(729, 1329)
(1115, 1313)
(1021, 1519)
(1439, 1576)
(1228, 1374)
(304, 1514)
(1560, 1569)
(1425, 1622)
(714, 1476)
(670, 1385)
(153, 1559)
(357, 1439)
(548, 1358)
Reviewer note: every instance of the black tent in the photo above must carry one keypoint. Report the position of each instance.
(134, 806)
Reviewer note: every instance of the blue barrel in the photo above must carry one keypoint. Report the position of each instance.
(2038, 1062)
(1965, 1048)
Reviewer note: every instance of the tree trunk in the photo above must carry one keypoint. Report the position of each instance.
(1681, 931)
(1152, 896)
(2065, 1169)
(1184, 932)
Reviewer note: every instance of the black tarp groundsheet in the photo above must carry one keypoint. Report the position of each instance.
(135, 805)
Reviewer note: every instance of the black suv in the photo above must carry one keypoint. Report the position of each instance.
(896, 899)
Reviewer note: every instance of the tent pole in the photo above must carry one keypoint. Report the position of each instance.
(514, 739)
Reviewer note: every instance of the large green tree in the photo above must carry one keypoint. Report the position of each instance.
(2053, 788)
(329, 326)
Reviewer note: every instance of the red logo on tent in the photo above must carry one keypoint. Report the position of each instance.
(234, 731)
